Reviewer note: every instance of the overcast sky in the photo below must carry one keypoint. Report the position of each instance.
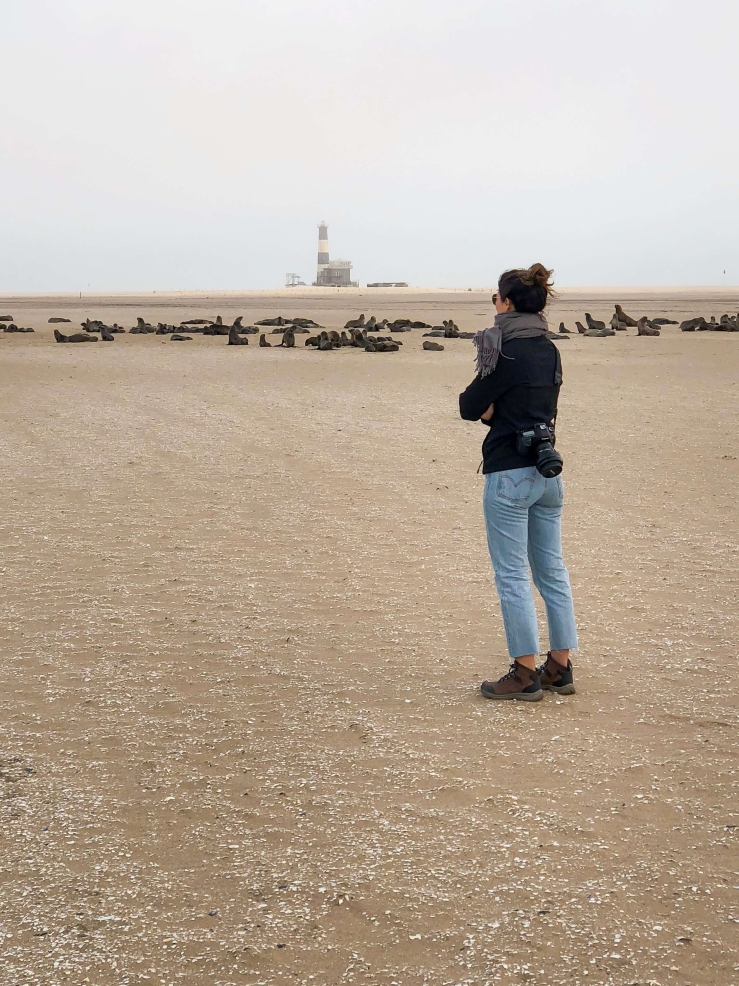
(174, 144)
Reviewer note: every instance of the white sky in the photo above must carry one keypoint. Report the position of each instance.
(171, 144)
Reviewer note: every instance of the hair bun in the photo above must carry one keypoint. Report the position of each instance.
(528, 289)
(538, 274)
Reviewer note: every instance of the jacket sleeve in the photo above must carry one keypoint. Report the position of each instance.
(484, 391)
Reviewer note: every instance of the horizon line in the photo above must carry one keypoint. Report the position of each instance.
(333, 291)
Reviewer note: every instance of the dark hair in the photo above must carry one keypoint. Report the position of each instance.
(527, 290)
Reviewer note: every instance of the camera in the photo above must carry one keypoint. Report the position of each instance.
(539, 441)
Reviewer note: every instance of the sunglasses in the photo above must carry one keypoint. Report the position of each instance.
(495, 298)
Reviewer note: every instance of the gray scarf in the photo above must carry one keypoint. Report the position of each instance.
(507, 326)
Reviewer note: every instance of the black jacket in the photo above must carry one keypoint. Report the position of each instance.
(524, 387)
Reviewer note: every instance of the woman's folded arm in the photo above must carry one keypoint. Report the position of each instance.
(480, 396)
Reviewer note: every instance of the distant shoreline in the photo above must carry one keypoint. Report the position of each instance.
(309, 293)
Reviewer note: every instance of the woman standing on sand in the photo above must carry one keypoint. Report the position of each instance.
(515, 394)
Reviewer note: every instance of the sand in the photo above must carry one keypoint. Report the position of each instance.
(246, 607)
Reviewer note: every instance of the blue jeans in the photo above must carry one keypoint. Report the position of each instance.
(523, 514)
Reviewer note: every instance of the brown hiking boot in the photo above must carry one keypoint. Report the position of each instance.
(555, 677)
(521, 683)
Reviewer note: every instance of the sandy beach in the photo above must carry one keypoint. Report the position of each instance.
(246, 608)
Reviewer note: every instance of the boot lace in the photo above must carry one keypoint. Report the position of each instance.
(543, 667)
(512, 674)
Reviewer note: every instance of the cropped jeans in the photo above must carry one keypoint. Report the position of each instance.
(523, 514)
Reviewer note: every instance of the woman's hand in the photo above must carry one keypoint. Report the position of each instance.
(488, 414)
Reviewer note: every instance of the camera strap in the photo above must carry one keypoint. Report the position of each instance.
(557, 383)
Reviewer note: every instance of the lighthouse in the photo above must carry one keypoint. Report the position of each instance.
(336, 274)
(322, 247)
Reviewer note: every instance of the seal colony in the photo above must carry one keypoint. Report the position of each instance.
(358, 336)
(368, 333)
(645, 326)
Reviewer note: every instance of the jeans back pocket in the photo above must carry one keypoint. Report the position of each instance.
(516, 485)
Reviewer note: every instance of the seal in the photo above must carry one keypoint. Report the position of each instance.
(234, 339)
(77, 337)
(593, 323)
(627, 320)
(643, 328)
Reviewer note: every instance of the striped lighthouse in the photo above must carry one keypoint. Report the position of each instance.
(336, 274)
(322, 249)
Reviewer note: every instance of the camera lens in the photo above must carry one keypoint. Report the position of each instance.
(548, 460)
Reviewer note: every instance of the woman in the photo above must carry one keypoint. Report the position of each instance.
(519, 374)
